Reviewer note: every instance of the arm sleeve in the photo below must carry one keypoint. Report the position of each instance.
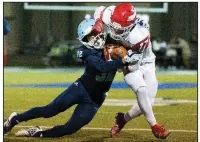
(99, 12)
(103, 66)
(104, 14)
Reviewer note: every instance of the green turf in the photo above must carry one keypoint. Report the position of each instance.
(178, 116)
(103, 136)
(32, 77)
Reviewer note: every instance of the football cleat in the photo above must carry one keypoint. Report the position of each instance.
(29, 132)
(119, 124)
(160, 132)
(10, 123)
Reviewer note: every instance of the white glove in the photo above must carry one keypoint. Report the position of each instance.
(132, 57)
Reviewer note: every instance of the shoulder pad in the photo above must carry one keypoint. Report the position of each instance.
(142, 23)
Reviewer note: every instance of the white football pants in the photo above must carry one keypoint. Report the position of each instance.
(144, 83)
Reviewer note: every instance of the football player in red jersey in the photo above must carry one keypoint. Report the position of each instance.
(124, 26)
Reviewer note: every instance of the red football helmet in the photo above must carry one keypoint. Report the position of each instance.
(122, 20)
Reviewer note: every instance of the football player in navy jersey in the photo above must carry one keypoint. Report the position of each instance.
(88, 91)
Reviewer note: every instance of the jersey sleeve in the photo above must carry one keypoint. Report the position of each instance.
(101, 65)
(104, 14)
(99, 12)
(142, 23)
(96, 62)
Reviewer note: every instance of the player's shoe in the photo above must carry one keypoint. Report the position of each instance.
(10, 123)
(31, 132)
(119, 124)
(159, 131)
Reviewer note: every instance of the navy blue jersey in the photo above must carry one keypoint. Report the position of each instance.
(99, 74)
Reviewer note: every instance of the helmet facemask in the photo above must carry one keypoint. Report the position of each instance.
(95, 41)
(117, 32)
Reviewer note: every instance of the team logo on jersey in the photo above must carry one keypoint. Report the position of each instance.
(76, 83)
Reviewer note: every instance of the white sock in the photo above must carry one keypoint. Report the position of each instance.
(145, 105)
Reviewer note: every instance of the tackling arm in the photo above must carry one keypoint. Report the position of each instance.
(103, 66)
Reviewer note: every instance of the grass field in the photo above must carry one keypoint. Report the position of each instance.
(181, 117)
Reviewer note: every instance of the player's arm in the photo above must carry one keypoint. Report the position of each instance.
(104, 66)
(102, 17)
(97, 62)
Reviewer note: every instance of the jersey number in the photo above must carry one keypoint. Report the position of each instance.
(105, 77)
(144, 45)
(79, 54)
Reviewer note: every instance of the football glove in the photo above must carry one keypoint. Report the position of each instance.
(132, 57)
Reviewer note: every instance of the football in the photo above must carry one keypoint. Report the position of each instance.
(118, 52)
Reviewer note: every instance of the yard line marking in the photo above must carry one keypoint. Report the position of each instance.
(157, 102)
(171, 114)
(81, 69)
(128, 129)
(174, 114)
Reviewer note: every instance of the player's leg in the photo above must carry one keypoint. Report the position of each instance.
(65, 100)
(82, 115)
(136, 81)
(152, 85)
(151, 82)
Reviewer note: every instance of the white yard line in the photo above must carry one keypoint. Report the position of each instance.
(158, 102)
(171, 114)
(81, 69)
(125, 102)
(108, 129)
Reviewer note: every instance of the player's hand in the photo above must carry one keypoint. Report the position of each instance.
(131, 57)
(98, 27)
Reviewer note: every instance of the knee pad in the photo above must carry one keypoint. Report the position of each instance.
(135, 80)
(142, 91)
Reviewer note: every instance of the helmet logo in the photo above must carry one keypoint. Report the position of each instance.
(116, 25)
(131, 18)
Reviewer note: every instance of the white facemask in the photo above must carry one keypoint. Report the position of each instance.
(98, 41)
